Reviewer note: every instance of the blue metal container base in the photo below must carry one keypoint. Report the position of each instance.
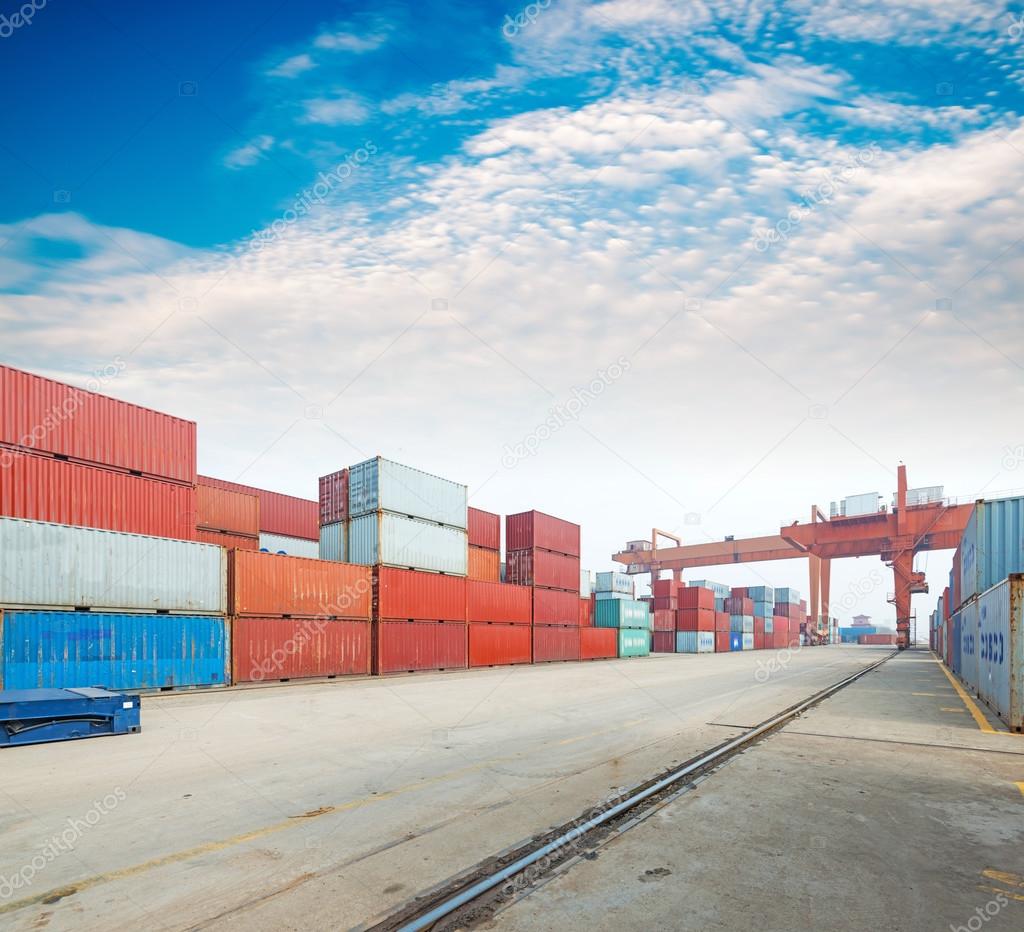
(38, 716)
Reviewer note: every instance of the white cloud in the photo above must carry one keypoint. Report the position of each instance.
(340, 109)
(250, 153)
(347, 41)
(293, 67)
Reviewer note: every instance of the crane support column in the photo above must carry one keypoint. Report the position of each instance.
(902, 570)
(826, 585)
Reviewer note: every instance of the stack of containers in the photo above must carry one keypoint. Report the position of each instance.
(74, 457)
(721, 591)
(88, 607)
(763, 598)
(543, 552)
(696, 620)
(287, 524)
(500, 619)
(295, 617)
(484, 536)
(333, 516)
(665, 603)
(595, 643)
(741, 620)
(788, 612)
(617, 610)
(226, 518)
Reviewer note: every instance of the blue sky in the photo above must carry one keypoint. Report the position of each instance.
(327, 230)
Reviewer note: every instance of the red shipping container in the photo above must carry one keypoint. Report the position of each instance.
(411, 594)
(490, 601)
(739, 605)
(759, 640)
(721, 642)
(236, 541)
(41, 488)
(334, 497)
(758, 626)
(663, 642)
(661, 603)
(531, 529)
(664, 620)
(599, 643)
(279, 514)
(696, 597)
(586, 613)
(696, 619)
(484, 529)
(555, 607)
(739, 592)
(484, 564)
(408, 646)
(664, 587)
(265, 584)
(224, 510)
(877, 639)
(543, 568)
(492, 645)
(291, 648)
(779, 639)
(58, 419)
(722, 621)
(555, 642)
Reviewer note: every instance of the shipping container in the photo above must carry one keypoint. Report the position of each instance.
(696, 597)
(609, 596)
(555, 607)
(760, 641)
(394, 540)
(695, 642)
(622, 613)
(695, 619)
(664, 588)
(722, 642)
(721, 590)
(735, 640)
(483, 564)
(54, 566)
(334, 542)
(531, 529)
(555, 643)
(739, 605)
(761, 593)
(586, 613)
(408, 594)
(231, 541)
(663, 642)
(54, 418)
(877, 639)
(748, 641)
(279, 513)
(586, 584)
(265, 649)
(616, 582)
(491, 601)
(742, 624)
(598, 643)
(722, 621)
(334, 497)
(267, 584)
(411, 646)
(65, 650)
(499, 644)
(992, 546)
(484, 529)
(1001, 650)
(380, 484)
(763, 609)
(39, 488)
(664, 603)
(543, 568)
(224, 510)
(289, 546)
(786, 594)
(662, 620)
(769, 625)
(634, 642)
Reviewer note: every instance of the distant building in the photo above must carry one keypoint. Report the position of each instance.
(861, 621)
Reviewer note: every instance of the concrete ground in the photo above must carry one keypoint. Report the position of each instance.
(893, 805)
(318, 806)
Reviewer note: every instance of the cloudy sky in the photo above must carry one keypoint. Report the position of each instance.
(633, 262)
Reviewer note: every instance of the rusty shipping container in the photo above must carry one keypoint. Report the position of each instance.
(531, 529)
(224, 510)
(231, 541)
(696, 597)
(491, 601)
(555, 607)
(722, 621)
(599, 643)
(663, 620)
(586, 613)
(877, 639)
(483, 564)
(543, 568)
(555, 642)
(699, 619)
(279, 513)
(723, 642)
(499, 644)
(53, 418)
(664, 588)
(334, 497)
(266, 649)
(663, 642)
(484, 529)
(41, 488)
(411, 646)
(411, 594)
(265, 584)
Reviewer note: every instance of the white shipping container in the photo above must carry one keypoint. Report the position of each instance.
(748, 641)
(293, 546)
(866, 504)
(923, 495)
(334, 542)
(55, 566)
(695, 642)
(586, 586)
(407, 542)
(383, 485)
(1001, 650)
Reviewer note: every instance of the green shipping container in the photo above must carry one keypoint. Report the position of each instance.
(634, 642)
(621, 613)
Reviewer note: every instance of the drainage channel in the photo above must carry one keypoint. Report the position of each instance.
(483, 890)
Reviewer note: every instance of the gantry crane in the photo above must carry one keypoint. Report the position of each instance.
(894, 536)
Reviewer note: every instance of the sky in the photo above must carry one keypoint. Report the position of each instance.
(634, 263)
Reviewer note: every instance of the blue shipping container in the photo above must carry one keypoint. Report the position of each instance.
(611, 581)
(992, 546)
(954, 661)
(764, 609)
(735, 640)
(62, 650)
(599, 596)
(787, 595)
(761, 594)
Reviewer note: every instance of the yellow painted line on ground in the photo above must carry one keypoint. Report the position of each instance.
(1005, 878)
(598, 734)
(972, 707)
(1007, 893)
(1020, 786)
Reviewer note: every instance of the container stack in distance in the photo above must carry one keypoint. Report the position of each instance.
(616, 609)
(227, 518)
(699, 625)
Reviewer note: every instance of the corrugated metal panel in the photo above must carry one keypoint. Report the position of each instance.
(748, 641)
(334, 497)
(291, 648)
(262, 584)
(484, 564)
(598, 643)
(231, 541)
(663, 642)
(586, 584)
(40, 488)
(634, 643)
(722, 621)
(484, 529)
(408, 646)
(291, 546)
(48, 416)
(223, 510)
(721, 590)
(603, 596)
(543, 568)
(384, 485)
(616, 582)
(735, 640)
(696, 597)
(695, 642)
(992, 546)
(555, 607)
(663, 620)
(621, 613)
(279, 514)
(586, 613)
(695, 619)
(392, 540)
(1001, 650)
(555, 643)
(786, 594)
(722, 642)
(69, 649)
(67, 567)
(408, 594)
(530, 529)
(491, 601)
(492, 645)
(334, 542)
